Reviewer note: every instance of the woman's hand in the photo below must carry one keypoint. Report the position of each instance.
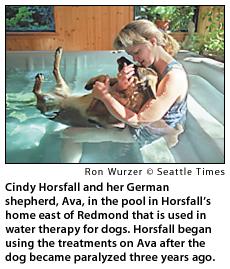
(101, 90)
(125, 77)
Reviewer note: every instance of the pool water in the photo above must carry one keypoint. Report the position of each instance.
(32, 138)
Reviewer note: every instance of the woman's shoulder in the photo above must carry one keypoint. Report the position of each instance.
(175, 83)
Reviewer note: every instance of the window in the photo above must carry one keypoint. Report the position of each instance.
(178, 16)
(30, 19)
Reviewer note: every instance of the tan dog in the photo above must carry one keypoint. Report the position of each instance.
(85, 111)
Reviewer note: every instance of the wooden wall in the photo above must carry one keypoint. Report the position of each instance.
(84, 28)
(77, 28)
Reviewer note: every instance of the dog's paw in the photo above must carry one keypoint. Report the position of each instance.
(58, 51)
(39, 77)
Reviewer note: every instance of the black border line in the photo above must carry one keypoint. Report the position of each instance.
(126, 162)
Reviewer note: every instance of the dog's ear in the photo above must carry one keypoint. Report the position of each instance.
(151, 79)
(151, 71)
(151, 89)
(143, 72)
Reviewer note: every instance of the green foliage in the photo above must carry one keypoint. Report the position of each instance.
(158, 12)
(196, 43)
(212, 41)
(214, 36)
(29, 18)
(22, 18)
(179, 16)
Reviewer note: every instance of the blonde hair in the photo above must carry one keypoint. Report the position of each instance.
(140, 32)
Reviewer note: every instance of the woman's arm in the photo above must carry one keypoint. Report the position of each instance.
(170, 89)
(120, 112)
(101, 92)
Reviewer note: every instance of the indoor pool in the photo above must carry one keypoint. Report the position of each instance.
(32, 138)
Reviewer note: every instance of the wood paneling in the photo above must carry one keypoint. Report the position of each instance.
(84, 28)
(77, 28)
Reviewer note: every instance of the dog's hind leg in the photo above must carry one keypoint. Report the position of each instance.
(61, 88)
(56, 69)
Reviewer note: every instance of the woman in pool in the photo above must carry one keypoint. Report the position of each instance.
(158, 117)
(163, 116)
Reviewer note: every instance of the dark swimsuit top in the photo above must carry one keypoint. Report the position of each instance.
(177, 112)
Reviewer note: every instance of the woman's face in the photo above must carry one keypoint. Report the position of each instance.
(142, 54)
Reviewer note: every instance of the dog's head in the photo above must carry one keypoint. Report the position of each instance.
(146, 78)
(102, 78)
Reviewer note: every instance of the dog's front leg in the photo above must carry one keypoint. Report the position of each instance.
(37, 90)
(45, 101)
